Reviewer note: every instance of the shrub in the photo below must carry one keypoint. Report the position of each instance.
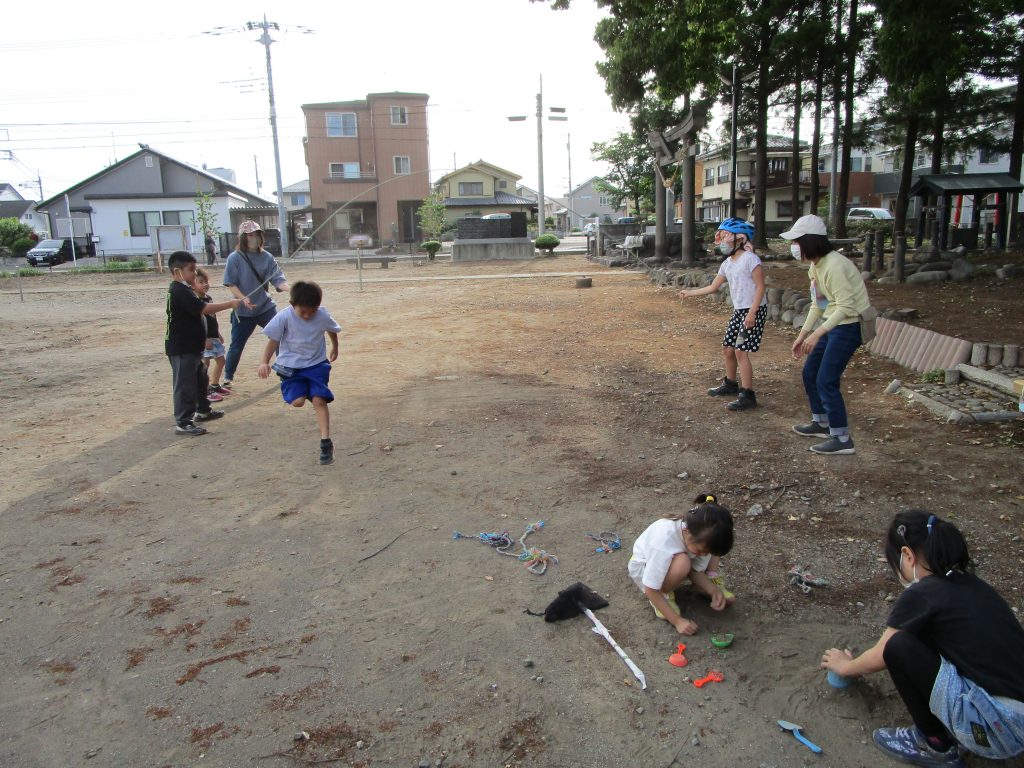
(547, 243)
(860, 228)
(431, 247)
(22, 246)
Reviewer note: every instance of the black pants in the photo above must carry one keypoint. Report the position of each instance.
(190, 382)
(913, 667)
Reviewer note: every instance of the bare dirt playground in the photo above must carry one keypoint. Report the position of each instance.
(173, 601)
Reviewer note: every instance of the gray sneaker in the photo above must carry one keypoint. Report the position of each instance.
(188, 428)
(208, 415)
(834, 447)
(814, 429)
(909, 745)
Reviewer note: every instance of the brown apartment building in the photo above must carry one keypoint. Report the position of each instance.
(368, 167)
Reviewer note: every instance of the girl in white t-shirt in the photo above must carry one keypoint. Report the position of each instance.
(680, 547)
(742, 269)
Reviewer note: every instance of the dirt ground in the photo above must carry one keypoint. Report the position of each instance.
(173, 601)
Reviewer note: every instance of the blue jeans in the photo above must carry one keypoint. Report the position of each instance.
(822, 371)
(241, 329)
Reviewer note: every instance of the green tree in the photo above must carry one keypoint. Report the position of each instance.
(629, 170)
(13, 235)
(432, 215)
(205, 214)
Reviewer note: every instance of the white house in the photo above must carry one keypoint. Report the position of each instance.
(115, 209)
(14, 206)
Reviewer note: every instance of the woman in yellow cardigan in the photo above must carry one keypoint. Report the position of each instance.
(838, 297)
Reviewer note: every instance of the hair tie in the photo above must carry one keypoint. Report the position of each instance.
(708, 497)
(931, 521)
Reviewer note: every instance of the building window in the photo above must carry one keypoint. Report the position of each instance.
(502, 184)
(867, 164)
(471, 188)
(856, 164)
(298, 199)
(399, 116)
(402, 165)
(139, 222)
(723, 173)
(784, 209)
(341, 124)
(988, 157)
(181, 217)
(709, 176)
(344, 170)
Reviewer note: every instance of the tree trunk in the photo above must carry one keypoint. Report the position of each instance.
(796, 204)
(660, 244)
(761, 153)
(687, 255)
(843, 193)
(819, 87)
(1016, 149)
(902, 197)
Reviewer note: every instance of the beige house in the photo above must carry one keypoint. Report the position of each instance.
(479, 189)
(368, 167)
(778, 200)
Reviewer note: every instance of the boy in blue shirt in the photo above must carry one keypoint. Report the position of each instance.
(296, 336)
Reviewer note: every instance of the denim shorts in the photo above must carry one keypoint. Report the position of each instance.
(989, 726)
(217, 350)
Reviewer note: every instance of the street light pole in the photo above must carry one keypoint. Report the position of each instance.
(568, 154)
(265, 40)
(541, 208)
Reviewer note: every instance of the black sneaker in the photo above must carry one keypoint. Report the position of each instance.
(745, 401)
(326, 451)
(188, 428)
(814, 429)
(727, 387)
(209, 415)
(834, 446)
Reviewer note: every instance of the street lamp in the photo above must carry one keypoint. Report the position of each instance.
(732, 85)
(541, 210)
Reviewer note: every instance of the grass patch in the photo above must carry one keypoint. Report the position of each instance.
(23, 272)
(135, 265)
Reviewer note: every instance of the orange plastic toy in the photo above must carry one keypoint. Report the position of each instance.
(677, 659)
(714, 676)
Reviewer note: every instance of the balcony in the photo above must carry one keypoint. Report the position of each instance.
(340, 177)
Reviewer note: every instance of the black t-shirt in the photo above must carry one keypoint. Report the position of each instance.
(964, 620)
(186, 331)
(212, 328)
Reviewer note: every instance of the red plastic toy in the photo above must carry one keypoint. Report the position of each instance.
(714, 676)
(677, 659)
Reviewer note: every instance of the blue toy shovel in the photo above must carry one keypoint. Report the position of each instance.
(795, 730)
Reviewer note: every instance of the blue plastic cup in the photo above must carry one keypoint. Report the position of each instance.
(838, 681)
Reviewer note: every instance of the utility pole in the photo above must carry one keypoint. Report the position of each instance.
(568, 152)
(541, 208)
(256, 167)
(265, 40)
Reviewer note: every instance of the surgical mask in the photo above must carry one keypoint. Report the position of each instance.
(724, 249)
(903, 582)
(795, 250)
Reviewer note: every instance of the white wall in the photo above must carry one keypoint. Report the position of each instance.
(110, 223)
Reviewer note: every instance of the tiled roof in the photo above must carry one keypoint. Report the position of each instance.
(14, 209)
(501, 198)
(775, 142)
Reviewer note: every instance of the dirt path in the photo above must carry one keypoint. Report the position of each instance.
(172, 601)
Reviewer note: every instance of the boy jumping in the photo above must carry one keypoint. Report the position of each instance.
(296, 335)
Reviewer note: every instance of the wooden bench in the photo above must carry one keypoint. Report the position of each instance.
(633, 244)
(384, 261)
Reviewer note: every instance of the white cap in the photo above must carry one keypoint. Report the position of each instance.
(806, 225)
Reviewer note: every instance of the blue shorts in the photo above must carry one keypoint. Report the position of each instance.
(217, 350)
(309, 383)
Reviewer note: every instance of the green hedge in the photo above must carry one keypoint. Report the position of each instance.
(546, 242)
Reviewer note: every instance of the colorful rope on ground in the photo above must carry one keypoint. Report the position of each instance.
(537, 560)
(609, 541)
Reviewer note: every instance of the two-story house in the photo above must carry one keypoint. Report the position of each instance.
(480, 188)
(14, 206)
(778, 198)
(590, 204)
(368, 167)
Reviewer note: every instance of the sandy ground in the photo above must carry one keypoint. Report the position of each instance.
(174, 601)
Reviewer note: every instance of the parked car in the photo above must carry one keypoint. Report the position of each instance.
(626, 220)
(50, 252)
(497, 216)
(868, 214)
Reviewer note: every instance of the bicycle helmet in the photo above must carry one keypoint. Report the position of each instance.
(738, 227)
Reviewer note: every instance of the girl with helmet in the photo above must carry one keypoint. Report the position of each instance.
(741, 268)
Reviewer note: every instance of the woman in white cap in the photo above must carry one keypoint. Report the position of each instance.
(248, 274)
(838, 297)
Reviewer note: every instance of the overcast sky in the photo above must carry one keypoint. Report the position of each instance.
(82, 86)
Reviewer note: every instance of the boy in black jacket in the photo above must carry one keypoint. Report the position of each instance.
(184, 342)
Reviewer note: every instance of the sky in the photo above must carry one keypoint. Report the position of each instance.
(191, 82)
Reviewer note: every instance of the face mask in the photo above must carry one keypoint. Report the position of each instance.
(795, 250)
(903, 582)
(724, 249)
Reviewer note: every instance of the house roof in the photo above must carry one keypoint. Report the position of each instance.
(219, 181)
(591, 180)
(775, 142)
(964, 184)
(14, 209)
(9, 188)
(481, 165)
(298, 186)
(501, 198)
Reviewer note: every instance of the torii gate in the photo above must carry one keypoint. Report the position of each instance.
(685, 136)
